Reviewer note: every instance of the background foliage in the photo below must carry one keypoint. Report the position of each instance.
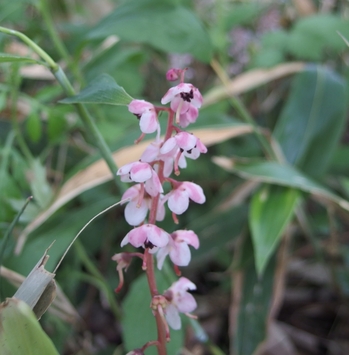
(274, 258)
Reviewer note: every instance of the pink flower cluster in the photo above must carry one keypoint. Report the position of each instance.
(147, 198)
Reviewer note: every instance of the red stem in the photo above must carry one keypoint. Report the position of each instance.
(161, 343)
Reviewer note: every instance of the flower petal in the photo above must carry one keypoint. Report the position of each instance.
(153, 186)
(137, 107)
(180, 254)
(149, 122)
(161, 256)
(141, 172)
(172, 317)
(178, 201)
(137, 236)
(134, 214)
(186, 303)
(185, 141)
(156, 235)
(186, 236)
(195, 192)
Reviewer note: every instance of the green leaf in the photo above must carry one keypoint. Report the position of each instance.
(102, 90)
(313, 36)
(40, 187)
(243, 14)
(165, 26)
(253, 309)
(34, 127)
(139, 324)
(271, 209)
(10, 58)
(21, 333)
(284, 175)
(312, 120)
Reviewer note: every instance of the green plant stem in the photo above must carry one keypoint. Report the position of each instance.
(92, 269)
(90, 125)
(69, 90)
(15, 79)
(244, 114)
(50, 62)
(57, 42)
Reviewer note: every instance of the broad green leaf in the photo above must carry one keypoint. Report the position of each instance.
(139, 325)
(102, 90)
(314, 36)
(312, 120)
(255, 301)
(271, 209)
(164, 25)
(21, 333)
(280, 174)
(10, 58)
(40, 187)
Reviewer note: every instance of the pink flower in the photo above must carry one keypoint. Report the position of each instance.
(153, 153)
(178, 198)
(186, 118)
(137, 208)
(144, 173)
(173, 74)
(147, 235)
(188, 144)
(146, 113)
(178, 248)
(179, 300)
(183, 97)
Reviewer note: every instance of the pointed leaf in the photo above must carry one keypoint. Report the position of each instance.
(162, 24)
(252, 303)
(313, 119)
(10, 58)
(102, 90)
(271, 209)
(279, 174)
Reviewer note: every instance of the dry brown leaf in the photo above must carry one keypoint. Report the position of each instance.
(99, 173)
(251, 80)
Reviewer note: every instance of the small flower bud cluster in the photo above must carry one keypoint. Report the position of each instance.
(147, 200)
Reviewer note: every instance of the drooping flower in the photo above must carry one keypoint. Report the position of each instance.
(123, 262)
(139, 204)
(179, 300)
(178, 198)
(147, 235)
(187, 143)
(146, 113)
(153, 153)
(178, 248)
(144, 173)
(182, 98)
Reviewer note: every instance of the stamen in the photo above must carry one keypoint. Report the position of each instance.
(178, 112)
